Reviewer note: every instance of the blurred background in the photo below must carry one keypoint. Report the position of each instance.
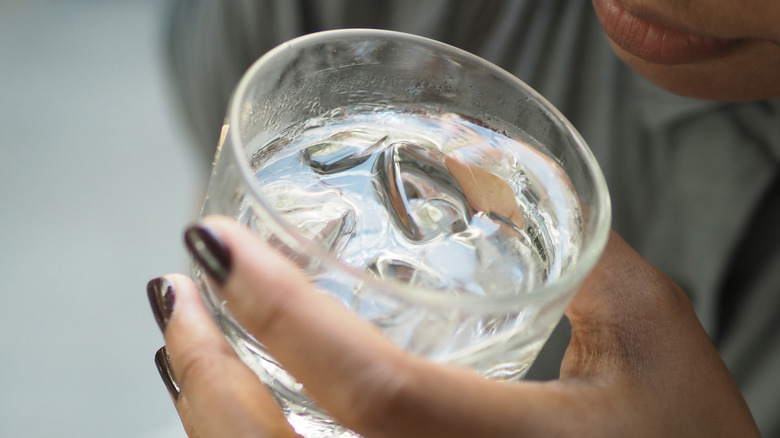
(97, 182)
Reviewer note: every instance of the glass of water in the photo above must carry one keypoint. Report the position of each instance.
(434, 194)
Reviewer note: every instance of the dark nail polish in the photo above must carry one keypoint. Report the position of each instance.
(163, 362)
(162, 299)
(209, 251)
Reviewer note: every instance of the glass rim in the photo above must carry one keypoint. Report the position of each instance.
(597, 232)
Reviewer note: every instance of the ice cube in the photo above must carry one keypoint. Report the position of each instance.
(398, 268)
(422, 197)
(343, 150)
(324, 216)
(507, 261)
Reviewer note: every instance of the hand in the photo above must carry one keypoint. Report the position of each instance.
(639, 363)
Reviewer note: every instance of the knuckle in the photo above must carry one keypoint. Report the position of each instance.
(380, 394)
(195, 366)
(261, 312)
(270, 315)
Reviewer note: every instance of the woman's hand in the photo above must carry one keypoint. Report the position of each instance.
(639, 363)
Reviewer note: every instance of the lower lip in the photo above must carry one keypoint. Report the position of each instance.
(653, 42)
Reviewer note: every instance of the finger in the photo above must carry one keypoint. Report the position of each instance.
(358, 375)
(485, 191)
(635, 331)
(215, 394)
(626, 312)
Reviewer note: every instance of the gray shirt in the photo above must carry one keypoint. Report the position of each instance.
(695, 184)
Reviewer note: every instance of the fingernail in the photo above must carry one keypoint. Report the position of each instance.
(162, 299)
(163, 362)
(209, 250)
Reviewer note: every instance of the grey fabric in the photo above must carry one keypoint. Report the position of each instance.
(694, 183)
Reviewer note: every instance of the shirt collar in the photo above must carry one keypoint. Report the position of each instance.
(760, 119)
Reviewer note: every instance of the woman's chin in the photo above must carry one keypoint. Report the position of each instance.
(747, 73)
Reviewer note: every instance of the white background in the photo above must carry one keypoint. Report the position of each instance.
(97, 182)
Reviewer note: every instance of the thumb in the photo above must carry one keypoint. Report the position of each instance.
(634, 328)
(624, 312)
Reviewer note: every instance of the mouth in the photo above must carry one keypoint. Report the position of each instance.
(654, 42)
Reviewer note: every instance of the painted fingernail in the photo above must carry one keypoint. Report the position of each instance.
(209, 250)
(162, 299)
(163, 362)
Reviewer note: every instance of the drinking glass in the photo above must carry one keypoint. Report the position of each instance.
(434, 194)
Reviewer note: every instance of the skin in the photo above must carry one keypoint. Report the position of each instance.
(639, 363)
(745, 70)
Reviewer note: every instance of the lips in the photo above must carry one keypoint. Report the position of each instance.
(654, 42)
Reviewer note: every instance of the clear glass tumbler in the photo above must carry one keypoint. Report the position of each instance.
(434, 194)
